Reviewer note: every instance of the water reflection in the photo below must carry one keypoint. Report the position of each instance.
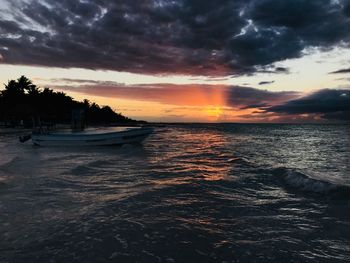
(205, 193)
(198, 154)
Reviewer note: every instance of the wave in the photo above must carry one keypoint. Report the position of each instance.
(305, 182)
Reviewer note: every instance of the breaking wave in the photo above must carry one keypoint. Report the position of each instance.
(304, 182)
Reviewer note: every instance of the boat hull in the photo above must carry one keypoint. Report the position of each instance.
(101, 137)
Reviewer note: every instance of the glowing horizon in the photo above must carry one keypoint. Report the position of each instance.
(253, 66)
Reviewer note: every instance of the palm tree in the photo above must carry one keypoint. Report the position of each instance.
(25, 84)
(22, 100)
(19, 87)
(12, 89)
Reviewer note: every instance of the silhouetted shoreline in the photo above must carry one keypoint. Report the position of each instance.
(24, 105)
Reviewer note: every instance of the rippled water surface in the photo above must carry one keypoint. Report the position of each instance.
(190, 193)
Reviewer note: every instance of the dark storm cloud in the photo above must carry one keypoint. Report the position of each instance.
(285, 28)
(340, 71)
(162, 36)
(246, 97)
(330, 104)
(347, 9)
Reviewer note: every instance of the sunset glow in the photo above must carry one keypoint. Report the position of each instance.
(156, 78)
(214, 112)
(175, 131)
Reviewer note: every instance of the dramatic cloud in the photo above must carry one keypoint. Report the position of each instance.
(246, 97)
(329, 104)
(347, 9)
(169, 36)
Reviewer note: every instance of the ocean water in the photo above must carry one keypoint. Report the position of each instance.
(189, 193)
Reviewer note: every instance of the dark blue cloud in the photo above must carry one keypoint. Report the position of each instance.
(347, 9)
(170, 36)
(330, 104)
(247, 97)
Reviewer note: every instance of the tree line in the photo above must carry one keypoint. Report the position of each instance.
(23, 103)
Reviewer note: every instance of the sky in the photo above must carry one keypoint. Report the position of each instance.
(186, 60)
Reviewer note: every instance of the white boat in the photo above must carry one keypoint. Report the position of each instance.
(92, 136)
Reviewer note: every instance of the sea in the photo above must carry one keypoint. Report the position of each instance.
(188, 193)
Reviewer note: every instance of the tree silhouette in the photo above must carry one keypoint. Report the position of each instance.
(22, 101)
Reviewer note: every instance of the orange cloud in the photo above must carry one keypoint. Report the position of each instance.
(188, 102)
